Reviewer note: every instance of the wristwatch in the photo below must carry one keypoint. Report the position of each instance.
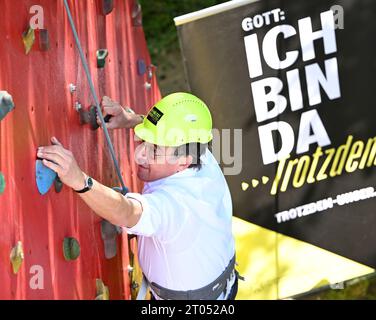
(88, 185)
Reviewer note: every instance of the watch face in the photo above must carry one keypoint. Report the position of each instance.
(90, 182)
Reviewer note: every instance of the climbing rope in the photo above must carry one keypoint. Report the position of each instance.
(95, 97)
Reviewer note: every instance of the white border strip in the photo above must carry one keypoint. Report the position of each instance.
(211, 11)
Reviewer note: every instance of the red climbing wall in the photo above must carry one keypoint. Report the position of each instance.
(38, 82)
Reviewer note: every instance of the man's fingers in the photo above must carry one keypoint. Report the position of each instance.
(99, 121)
(106, 102)
(106, 98)
(113, 110)
(52, 166)
(111, 125)
(56, 149)
(55, 141)
(57, 159)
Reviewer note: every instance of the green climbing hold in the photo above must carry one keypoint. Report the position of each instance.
(101, 57)
(58, 184)
(107, 6)
(2, 183)
(71, 249)
(6, 104)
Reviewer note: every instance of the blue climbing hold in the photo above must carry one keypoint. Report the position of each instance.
(141, 67)
(45, 177)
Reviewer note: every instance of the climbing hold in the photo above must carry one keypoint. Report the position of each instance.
(101, 57)
(94, 115)
(78, 106)
(102, 291)
(93, 118)
(255, 183)
(265, 180)
(109, 234)
(2, 183)
(72, 88)
(17, 257)
(245, 186)
(44, 41)
(88, 116)
(107, 6)
(45, 177)
(58, 184)
(6, 104)
(71, 249)
(141, 67)
(151, 69)
(137, 15)
(28, 38)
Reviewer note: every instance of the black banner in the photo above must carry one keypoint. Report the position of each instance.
(297, 77)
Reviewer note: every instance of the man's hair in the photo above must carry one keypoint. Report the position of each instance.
(196, 150)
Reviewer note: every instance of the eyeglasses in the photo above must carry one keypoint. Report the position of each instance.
(151, 151)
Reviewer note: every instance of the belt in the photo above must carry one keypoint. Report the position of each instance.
(210, 292)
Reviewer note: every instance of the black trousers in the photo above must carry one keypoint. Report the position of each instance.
(231, 296)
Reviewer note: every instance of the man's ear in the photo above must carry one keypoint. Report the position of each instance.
(184, 162)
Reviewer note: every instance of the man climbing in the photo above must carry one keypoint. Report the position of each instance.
(183, 216)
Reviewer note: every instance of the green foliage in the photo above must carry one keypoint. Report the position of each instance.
(362, 288)
(159, 25)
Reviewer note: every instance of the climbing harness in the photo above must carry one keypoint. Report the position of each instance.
(210, 292)
(94, 95)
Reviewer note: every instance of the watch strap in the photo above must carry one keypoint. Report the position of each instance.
(88, 185)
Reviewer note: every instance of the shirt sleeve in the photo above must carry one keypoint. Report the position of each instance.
(162, 216)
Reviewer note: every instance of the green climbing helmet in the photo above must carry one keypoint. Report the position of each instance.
(177, 119)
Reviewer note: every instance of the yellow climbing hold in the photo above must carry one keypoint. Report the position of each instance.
(255, 183)
(16, 257)
(102, 291)
(265, 180)
(28, 38)
(245, 186)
